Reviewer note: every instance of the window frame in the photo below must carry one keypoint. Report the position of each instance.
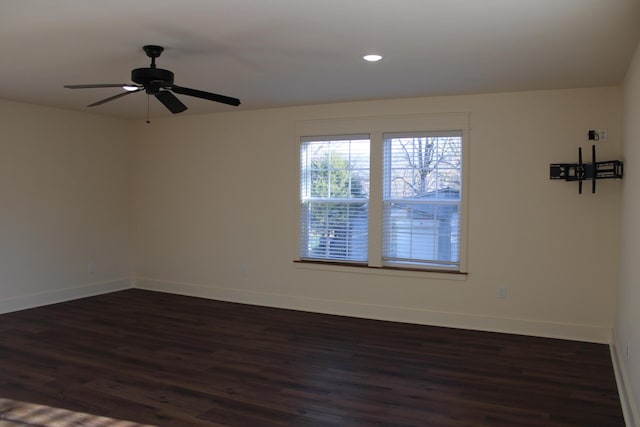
(376, 127)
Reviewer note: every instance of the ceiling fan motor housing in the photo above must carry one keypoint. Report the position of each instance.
(152, 78)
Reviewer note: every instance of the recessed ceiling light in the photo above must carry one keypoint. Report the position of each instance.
(372, 58)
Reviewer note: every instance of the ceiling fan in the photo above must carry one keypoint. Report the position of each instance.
(158, 82)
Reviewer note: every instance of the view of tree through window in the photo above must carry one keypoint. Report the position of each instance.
(334, 202)
(422, 194)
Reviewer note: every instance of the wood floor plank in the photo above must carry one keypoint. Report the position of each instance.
(169, 360)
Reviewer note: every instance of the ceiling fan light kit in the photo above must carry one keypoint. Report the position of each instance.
(158, 82)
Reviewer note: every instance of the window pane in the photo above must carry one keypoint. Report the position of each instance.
(422, 233)
(334, 198)
(335, 231)
(422, 193)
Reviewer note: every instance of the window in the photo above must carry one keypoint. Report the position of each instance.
(421, 199)
(384, 191)
(334, 198)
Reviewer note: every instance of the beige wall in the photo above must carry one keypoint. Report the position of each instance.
(65, 196)
(216, 192)
(627, 326)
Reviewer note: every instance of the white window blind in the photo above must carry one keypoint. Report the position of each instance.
(334, 198)
(422, 187)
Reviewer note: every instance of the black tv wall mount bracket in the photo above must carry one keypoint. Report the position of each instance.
(611, 169)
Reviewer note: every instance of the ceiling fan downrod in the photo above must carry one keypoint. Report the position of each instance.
(153, 52)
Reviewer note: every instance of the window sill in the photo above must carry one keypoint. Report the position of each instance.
(381, 271)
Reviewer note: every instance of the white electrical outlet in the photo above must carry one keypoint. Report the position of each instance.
(603, 134)
(245, 269)
(502, 292)
(91, 268)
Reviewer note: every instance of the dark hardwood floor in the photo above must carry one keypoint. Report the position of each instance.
(170, 360)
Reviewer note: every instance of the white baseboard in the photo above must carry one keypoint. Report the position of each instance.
(23, 302)
(629, 408)
(575, 332)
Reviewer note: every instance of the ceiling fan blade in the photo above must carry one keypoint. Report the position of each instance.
(170, 101)
(111, 98)
(96, 86)
(206, 95)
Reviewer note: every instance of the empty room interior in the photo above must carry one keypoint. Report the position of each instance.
(221, 214)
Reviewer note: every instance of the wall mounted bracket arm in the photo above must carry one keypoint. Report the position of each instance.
(593, 171)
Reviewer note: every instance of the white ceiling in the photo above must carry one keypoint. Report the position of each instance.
(274, 53)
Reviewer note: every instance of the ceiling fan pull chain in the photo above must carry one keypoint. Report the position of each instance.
(148, 117)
